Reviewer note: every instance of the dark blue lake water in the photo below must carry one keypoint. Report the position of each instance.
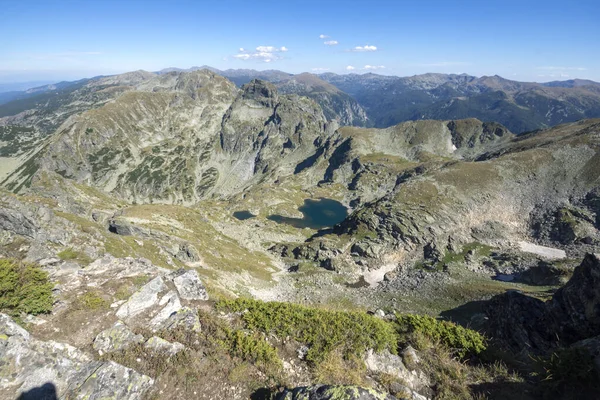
(243, 215)
(317, 214)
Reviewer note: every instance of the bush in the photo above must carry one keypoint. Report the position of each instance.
(24, 288)
(351, 333)
(252, 348)
(462, 340)
(91, 301)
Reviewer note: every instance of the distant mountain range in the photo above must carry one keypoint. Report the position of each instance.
(372, 100)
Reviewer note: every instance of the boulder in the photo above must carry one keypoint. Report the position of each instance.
(33, 368)
(573, 310)
(116, 338)
(387, 363)
(143, 299)
(189, 285)
(185, 318)
(159, 345)
(171, 304)
(333, 392)
(513, 318)
(187, 253)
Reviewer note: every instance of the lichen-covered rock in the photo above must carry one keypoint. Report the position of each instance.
(391, 364)
(115, 338)
(31, 366)
(171, 304)
(161, 345)
(333, 392)
(143, 299)
(119, 268)
(189, 285)
(9, 328)
(113, 381)
(185, 318)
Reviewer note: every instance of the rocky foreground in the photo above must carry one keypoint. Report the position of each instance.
(100, 342)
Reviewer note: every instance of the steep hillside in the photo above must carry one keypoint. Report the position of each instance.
(179, 137)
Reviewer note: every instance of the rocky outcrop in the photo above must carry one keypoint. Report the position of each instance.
(188, 284)
(145, 298)
(116, 338)
(524, 323)
(391, 364)
(31, 366)
(160, 345)
(331, 392)
(158, 305)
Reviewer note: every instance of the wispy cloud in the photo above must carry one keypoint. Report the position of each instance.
(373, 67)
(555, 68)
(330, 42)
(558, 75)
(319, 69)
(324, 37)
(350, 68)
(261, 53)
(364, 48)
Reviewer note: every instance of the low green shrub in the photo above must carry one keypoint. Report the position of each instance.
(91, 301)
(323, 331)
(251, 348)
(462, 340)
(24, 288)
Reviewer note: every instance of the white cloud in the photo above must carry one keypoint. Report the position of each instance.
(373, 67)
(319, 69)
(270, 49)
(323, 37)
(364, 48)
(558, 75)
(554, 68)
(262, 53)
(350, 68)
(331, 42)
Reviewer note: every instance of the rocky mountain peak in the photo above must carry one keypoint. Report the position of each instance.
(262, 92)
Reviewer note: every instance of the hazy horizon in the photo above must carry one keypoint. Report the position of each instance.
(7, 85)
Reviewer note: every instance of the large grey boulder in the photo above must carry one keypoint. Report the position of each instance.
(34, 367)
(115, 338)
(186, 318)
(333, 392)
(391, 364)
(171, 304)
(160, 345)
(143, 299)
(189, 285)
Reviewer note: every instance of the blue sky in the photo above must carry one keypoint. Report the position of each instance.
(522, 40)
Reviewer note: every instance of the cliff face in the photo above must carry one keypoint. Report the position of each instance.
(524, 323)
